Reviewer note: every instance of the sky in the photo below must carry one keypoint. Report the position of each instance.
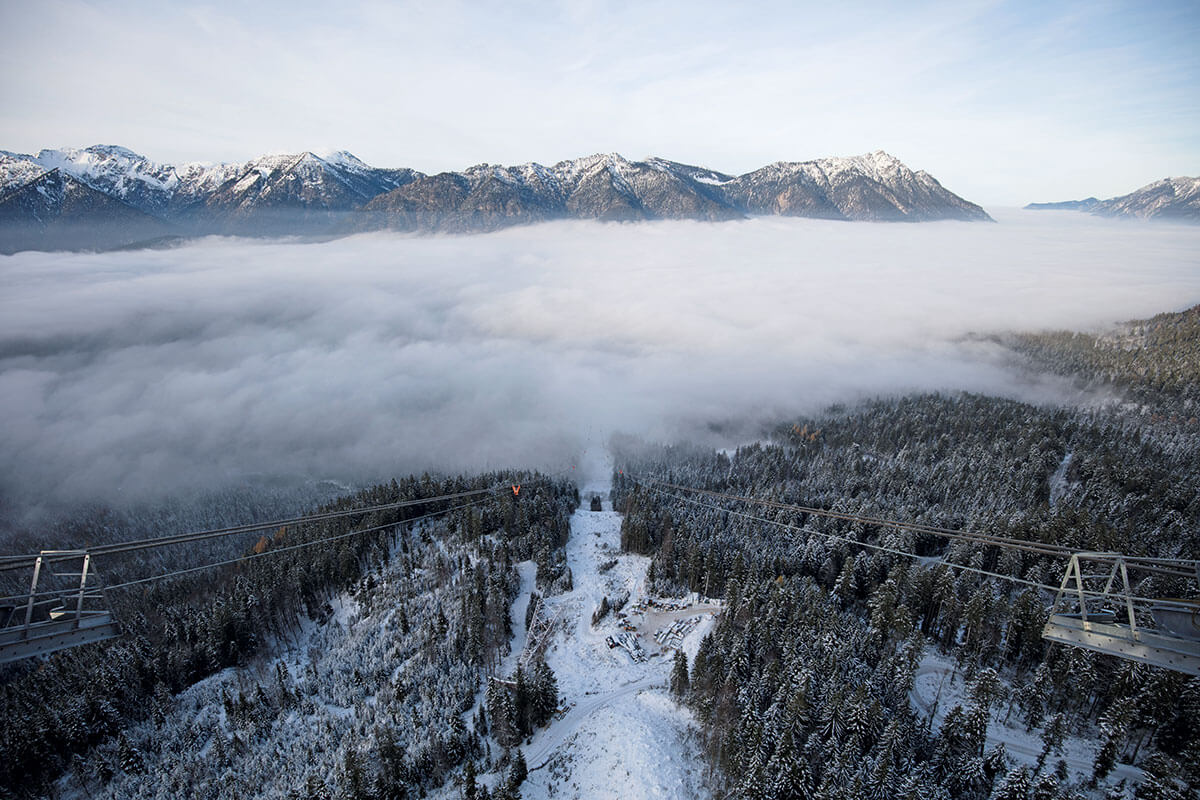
(1004, 102)
(146, 373)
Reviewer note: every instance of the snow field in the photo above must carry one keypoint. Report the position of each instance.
(624, 736)
(634, 748)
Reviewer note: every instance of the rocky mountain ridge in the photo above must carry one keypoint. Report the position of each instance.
(306, 193)
(1169, 199)
(1087, 204)
(54, 206)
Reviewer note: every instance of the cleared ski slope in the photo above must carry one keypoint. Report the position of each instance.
(624, 736)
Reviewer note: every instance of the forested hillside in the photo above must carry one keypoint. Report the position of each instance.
(1152, 360)
(355, 658)
(804, 686)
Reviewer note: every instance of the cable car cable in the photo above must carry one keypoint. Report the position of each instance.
(847, 540)
(273, 551)
(21, 562)
(895, 551)
(1177, 568)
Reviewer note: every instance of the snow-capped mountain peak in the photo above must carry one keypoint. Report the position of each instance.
(571, 169)
(16, 170)
(1170, 198)
(325, 191)
(341, 158)
(118, 172)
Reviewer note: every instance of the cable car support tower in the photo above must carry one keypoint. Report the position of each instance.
(1096, 607)
(65, 607)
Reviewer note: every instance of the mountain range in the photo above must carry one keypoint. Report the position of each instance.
(1170, 199)
(106, 195)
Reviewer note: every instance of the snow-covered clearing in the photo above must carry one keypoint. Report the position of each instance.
(939, 687)
(623, 735)
(528, 572)
(1058, 481)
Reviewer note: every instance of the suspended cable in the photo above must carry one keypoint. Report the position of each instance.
(23, 562)
(946, 533)
(649, 484)
(277, 550)
(1176, 568)
(835, 537)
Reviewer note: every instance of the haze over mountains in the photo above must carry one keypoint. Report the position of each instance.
(1169, 198)
(56, 199)
(57, 211)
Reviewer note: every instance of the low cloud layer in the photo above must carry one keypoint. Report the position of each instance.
(137, 373)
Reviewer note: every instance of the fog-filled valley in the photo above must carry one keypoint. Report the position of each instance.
(140, 374)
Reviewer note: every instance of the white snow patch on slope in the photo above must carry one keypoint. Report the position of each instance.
(692, 642)
(630, 749)
(345, 610)
(528, 572)
(1058, 481)
(340, 158)
(938, 687)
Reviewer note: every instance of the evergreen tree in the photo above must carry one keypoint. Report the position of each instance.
(1046, 788)
(1159, 781)
(283, 680)
(518, 771)
(601, 611)
(846, 586)
(1106, 757)
(545, 694)
(353, 781)
(503, 714)
(392, 775)
(1052, 738)
(315, 788)
(1015, 786)
(129, 757)
(470, 787)
(679, 674)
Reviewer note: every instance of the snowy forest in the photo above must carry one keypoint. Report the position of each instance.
(338, 670)
(803, 688)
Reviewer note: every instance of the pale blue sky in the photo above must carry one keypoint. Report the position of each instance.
(1004, 102)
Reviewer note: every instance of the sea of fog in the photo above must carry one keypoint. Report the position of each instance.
(131, 374)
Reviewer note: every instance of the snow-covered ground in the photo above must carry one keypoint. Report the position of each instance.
(527, 570)
(939, 688)
(1058, 481)
(623, 735)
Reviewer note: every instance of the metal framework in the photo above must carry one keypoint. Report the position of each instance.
(65, 607)
(537, 637)
(1096, 608)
